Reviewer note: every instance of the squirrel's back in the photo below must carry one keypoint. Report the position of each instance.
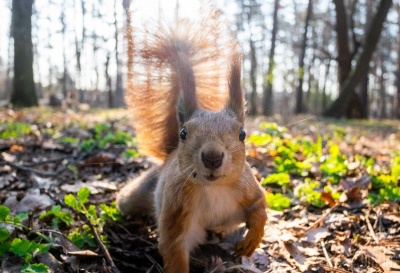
(154, 87)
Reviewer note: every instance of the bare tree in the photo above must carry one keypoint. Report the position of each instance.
(119, 91)
(24, 93)
(299, 91)
(267, 96)
(398, 65)
(341, 106)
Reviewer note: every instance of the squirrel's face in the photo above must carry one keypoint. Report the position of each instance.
(212, 147)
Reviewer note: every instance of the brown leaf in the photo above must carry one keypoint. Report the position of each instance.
(100, 158)
(327, 196)
(15, 148)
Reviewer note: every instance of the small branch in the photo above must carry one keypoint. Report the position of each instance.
(96, 235)
(328, 260)
(52, 160)
(320, 220)
(370, 228)
(33, 170)
(27, 167)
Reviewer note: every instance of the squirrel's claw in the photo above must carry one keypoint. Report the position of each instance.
(245, 247)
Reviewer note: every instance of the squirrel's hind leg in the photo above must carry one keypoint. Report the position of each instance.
(137, 197)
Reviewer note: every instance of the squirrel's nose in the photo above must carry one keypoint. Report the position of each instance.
(212, 160)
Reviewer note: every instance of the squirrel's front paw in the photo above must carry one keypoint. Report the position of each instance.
(246, 247)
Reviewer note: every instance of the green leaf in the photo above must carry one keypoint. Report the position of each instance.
(83, 195)
(20, 247)
(4, 234)
(110, 212)
(4, 212)
(277, 201)
(35, 268)
(131, 153)
(281, 179)
(4, 247)
(82, 237)
(70, 200)
(20, 217)
(56, 214)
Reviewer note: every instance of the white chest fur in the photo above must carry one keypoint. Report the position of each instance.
(215, 208)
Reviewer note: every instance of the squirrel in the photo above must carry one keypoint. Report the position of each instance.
(181, 118)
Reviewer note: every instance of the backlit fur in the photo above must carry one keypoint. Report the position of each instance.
(192, 196)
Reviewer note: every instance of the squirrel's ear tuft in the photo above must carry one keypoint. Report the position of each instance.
(236, 101)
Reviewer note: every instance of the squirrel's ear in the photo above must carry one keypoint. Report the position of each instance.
(187, 102)
(236, 101)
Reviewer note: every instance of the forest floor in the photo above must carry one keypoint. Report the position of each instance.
(332, 187)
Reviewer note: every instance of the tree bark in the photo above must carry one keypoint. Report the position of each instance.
(299, 92)
(253, 79)
(269, 78)
(363, 87)
(342, 29)
(119, 91)
(324, 95)
(398, 66)
(340, 106)
(24, 93)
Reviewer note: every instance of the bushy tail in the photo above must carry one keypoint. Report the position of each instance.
(190, 56)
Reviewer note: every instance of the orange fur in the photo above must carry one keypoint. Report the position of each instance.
(204, 182)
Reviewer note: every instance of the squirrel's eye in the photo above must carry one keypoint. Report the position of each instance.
(242, 135)
(183, 133)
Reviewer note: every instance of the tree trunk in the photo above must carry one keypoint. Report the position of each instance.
(398, 66)
(253, 79)
(109, 83)
(341, 105)
(382, 90)
(299, 92)
(268, 95)
(324, 96)
(24, 93)
(119, 91)
(363, 88)
(63, 31)
(342, 40)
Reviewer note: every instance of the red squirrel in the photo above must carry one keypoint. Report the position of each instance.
(204, 182)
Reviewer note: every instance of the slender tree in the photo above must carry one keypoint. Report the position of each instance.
(398, 65)
(24, 93)
(253, 79)
(363, 87)
(299, 90)
(119, 91)
(269, 78)
(341, 106)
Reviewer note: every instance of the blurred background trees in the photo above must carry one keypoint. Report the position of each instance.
(338, 58)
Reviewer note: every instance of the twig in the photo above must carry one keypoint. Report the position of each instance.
(46, 161)
(328, 260)
(371, 230)
(332, 269)
(44, 173)
(103, 248)
(157, 265)
(320, 220)
(32, 170)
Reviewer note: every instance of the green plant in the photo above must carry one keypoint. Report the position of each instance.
(57, 216)
(96, 218)
(24, 248)
(277, 201)
(131, 153)
(281, 179)
(308, 192)
(385, 194)
(15, 129)
(334, 166)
